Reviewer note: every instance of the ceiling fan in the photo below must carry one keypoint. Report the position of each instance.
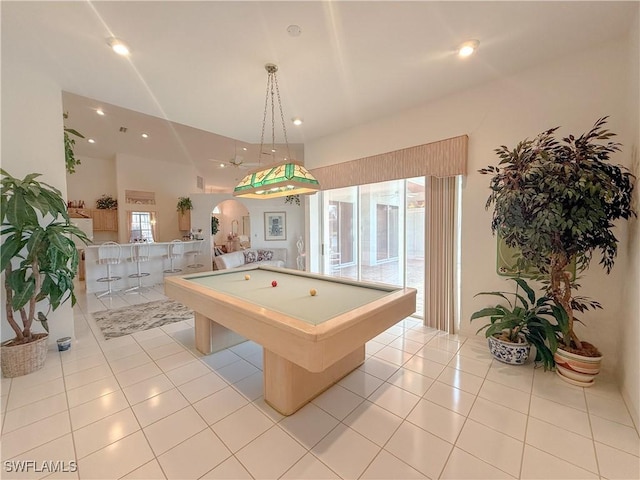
(238, 161)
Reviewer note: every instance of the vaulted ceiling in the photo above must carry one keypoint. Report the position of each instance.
(200, 65)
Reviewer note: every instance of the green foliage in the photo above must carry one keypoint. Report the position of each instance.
(184, 204)
(215, 225)
(69, 156)
(292, 199)
(535, 319)
(39, 257)
(106, 202)
(556, 202)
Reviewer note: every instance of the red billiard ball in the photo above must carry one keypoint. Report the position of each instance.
(274, 284)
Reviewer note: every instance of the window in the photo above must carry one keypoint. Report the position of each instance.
(142, 226)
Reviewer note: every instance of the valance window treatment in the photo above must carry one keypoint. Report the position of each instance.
(444, 158)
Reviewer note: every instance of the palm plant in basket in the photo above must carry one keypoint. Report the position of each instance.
(39, 262)
(557, 201)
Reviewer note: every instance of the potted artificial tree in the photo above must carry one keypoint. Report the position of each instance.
(556, 201)
(39, 262)
(183, 208)
(70, 159)
(184, 204)
(517, 325)
(215, 225)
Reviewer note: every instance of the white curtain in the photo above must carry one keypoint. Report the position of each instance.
(440, 256)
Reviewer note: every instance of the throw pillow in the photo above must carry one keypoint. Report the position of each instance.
(265, 255)
(250, 256)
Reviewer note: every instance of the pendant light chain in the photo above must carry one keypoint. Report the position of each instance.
(273, 118)
(284, 128)
(264, 119)
(283, 178)
(272, 90)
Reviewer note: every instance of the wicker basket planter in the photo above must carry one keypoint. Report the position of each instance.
(22, 359)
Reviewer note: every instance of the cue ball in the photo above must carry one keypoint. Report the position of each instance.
(247, 277)
(274, 284)
(313, 292)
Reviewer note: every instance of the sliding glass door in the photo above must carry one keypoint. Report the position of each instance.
(382, 232)
(376, 233)
(341, 232)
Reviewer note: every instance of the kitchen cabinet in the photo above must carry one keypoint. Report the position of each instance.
(184, 221)
(105, 220)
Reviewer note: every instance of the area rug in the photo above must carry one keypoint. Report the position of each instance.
(135, 318)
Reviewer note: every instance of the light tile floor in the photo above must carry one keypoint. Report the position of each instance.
(423, 405)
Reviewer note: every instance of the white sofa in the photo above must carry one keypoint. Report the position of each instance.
(276, 258)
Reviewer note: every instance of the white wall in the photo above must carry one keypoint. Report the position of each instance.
(572, 93)
(629, 333)
(32, 141)
(93, 178)
(169, 181)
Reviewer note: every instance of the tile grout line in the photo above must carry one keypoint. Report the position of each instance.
(466, 417)
(526, 425)
(593, 437)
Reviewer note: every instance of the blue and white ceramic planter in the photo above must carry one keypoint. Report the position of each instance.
(507, 352)
(64, 344)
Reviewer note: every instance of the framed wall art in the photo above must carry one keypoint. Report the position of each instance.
(275, 226)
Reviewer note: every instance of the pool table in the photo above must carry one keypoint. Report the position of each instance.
(310, 341)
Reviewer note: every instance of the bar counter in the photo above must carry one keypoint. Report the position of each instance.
(158, 262)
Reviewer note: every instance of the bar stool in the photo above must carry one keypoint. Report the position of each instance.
(139, 254)
(174, 251)
(108, 254)
(196, 251)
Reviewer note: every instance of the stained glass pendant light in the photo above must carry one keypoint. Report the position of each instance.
(278, 179)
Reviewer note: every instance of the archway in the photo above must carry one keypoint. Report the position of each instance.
(233, 226)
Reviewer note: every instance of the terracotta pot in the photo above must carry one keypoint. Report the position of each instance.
(577, 369)
(507, 352)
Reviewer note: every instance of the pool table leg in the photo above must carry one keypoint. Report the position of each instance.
(288, 387)
(212, 337)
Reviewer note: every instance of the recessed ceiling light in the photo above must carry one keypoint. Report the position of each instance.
(100, 111)
(468, 48)
(244, 148)
(145, 135)
(222, 165)
(91, 140)
(273, 150)
(119, 46)
(297, 121)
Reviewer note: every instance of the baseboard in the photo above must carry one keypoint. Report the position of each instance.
(633, 409)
